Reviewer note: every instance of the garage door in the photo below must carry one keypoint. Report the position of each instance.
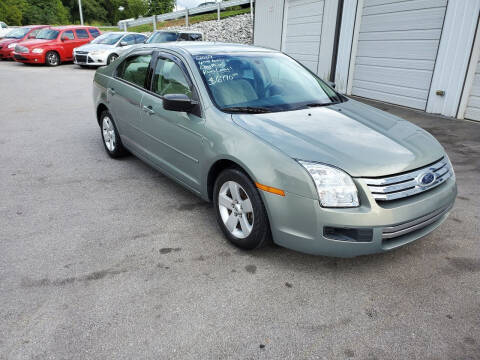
(473, 106)
(303, 30)
(397, 48)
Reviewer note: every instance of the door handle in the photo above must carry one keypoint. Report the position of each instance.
(112, 91)
(148, 109)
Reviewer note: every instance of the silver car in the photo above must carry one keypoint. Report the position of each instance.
(106, 48)
(278, 151)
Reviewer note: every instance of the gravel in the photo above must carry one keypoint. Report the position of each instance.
(235, 29)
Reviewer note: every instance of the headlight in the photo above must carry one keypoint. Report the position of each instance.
(451, 166)
(37, 51)
(335, 187)
(11, 46)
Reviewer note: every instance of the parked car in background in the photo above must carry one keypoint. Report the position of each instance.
(278, 151)
(162, 36)
(54, 45)
(4, 29)
(106, 48)
(15, 36)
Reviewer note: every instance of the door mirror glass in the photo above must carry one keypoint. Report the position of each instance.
(177, 102)
(123, 43)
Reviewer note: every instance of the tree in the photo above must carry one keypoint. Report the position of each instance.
(45, 12)
(11, 11)
(136, 8)
(161, 6)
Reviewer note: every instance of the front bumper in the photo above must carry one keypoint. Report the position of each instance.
(29, 58)
(88, 59)
(6, 53)
(300, 223)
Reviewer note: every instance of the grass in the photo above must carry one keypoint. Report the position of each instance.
(181, 22)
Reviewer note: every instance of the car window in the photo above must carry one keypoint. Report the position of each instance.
(134, 69)
(190, 37)
(68, 35)
(94, 32)
(162, 36)
(139, 39)
(129, 39)
(82, 33)
(4, 25)
(170, 79)
(34, 33)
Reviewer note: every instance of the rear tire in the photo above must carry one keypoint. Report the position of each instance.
(240, 211)
(52, 58)
(111, 139)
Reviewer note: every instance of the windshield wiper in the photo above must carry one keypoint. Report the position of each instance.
(247, 109)
(322, 104)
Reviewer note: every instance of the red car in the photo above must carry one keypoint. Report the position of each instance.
(54, 45)
(7, 43)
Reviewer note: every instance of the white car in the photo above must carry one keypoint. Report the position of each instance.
(106, 48)
(4, 29)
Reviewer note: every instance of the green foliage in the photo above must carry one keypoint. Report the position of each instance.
(158, 7)
(45, 12)
(136, 8)
(11, 11)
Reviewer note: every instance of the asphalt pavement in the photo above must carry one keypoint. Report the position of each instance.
(109, 259)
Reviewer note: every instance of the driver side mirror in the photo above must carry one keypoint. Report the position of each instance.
(123, 43)
(178, 102)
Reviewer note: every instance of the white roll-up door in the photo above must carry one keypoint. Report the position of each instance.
(397, 47)
(473, 106)
(302, 31)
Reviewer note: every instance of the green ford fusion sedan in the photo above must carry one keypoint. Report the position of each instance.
(279, 152)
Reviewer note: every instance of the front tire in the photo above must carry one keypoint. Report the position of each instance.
(111, 139)
(52, 58)
(111, 58)
(240, 211)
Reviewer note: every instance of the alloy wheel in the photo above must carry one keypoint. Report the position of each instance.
(108, 133)
(52, 58)
(236, 209)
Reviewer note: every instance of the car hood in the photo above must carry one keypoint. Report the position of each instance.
(95, 47)
(362, 140)
(6, 41)
(37, 42)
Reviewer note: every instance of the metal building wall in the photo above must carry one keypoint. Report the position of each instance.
(268, 23)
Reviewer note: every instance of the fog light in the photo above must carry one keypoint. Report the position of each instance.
(345, 234)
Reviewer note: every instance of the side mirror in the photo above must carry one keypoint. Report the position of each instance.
(178, 102)
(123, 43)
(32, 36)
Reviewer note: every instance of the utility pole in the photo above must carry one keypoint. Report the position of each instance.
(80, 10)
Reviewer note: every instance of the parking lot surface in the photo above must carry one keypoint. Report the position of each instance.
(109, 259)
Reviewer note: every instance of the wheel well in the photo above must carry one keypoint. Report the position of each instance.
(216, 169)
(101, 108)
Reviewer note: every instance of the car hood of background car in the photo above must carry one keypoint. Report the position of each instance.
(6, 41)
(361, 140)
(37, 42)
(95, 47)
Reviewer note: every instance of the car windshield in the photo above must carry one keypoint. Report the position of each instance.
(107, 39)
(162, 36)
(47, 34)
(262, 82)
(17, 33)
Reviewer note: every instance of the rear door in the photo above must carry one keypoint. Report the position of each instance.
(124, 95)
(174, 138)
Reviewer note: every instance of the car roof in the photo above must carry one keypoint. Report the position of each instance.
(179, 31)
(123, 33)
(72, 27)
(35, 26)
(204, 47)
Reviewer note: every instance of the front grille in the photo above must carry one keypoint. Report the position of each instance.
(81, 58)
(81, 52)
(395, 231)
(408, 184)
(21, 49)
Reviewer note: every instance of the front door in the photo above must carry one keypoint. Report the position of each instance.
(175, 137)
(68, 43)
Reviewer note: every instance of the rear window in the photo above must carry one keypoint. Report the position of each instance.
(82, 33)
(162, 36)
(94, 32)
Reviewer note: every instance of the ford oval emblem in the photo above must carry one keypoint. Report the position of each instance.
(427, 179)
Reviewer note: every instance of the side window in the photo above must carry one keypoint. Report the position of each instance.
(3, 25)
(82, 33)
(183, 37)
(134, 69)
(139, 39)
(68, 35)
(195, 37)
(129, 39)
(94, 32)
(34, 33)
(170, 79)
